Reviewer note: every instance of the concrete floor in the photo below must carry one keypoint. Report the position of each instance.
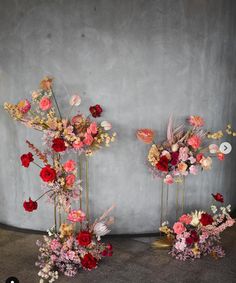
(134, 261)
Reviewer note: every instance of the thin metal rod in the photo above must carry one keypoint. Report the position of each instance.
(167, 196)
(55, 213)
(162, 196)
(177, 200)
(80, 177)
(87, 190)
(58, 109)
(183, 195)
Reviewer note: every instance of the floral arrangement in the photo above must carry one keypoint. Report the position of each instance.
(186, 151)
(68, 246)
(198, 233)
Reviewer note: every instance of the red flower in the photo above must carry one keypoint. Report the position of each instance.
(84, 238)
(174, 158)
(199, 157)
(48, 174)
(206, 219)
(30, 205)
(189, 241)
(26, 159)
(88, 261)
(58, 145)
(218, 197)
(220, 156)
(95, 110)
(162, 165)
(194, 236)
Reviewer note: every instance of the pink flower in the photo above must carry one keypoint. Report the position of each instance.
(179, 228)
(180, 245)
(70, 180)
(55, 244)
(183, 153)
(77, 119)
(92, 129)
(75, 100)
(106, 125)
(70, 165)
(196, 121)
(78, 144)
(76, 216)
(166, 154)
(192, 159)
(193, 170)
(70, 255)
(186, 219)
(168, 180)
(213, 148)
(45, 104)
(24, 106)
(88, 139)
(194, 141)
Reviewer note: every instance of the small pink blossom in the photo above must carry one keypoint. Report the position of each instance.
(75, 100)
(193, 170)
(78, 144)
(194, 141)
(186, 219)
(70, 165)
(179, 228)
(192, 159)
(168, 180)
(183, 153)
(213, 148)
(70, 180)
(70, 255)
(88, 139)
(24, 106)
(180, 245)
(45, 104)
(92, 129)
(76, 216)
(55, 244)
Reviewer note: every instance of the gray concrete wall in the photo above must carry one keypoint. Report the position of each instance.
(141, 60)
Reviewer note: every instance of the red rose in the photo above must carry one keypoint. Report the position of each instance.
(104, 253)
(88, 261)
(194, 236)
(206, 219)
(48, 174)
(95, 110)
(218, 197)
(174, 158)
(58, 145)
(189, 241)
(162, 165)
(26, 159)
(84, 238)
(30, 205)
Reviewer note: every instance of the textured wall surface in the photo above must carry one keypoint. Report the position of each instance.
(141, 60)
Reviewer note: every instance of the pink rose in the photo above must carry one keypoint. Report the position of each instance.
(186, 219)
(76, 216)
(88, 139)
(70, 180)
(70, 165)
(195, 142)
(92, 129)
(179, 228)
(168, 180)
(45, 104)
(183, 153)
(78, 144)
(193, 170)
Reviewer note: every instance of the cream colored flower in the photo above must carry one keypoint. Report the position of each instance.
(206, 163)
(153, 155)
(196, 216)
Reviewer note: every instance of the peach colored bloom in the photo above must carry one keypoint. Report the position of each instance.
(179, 228)
(78, 144)
(46, 83)
(70, 165)
(185, 218)
(145, 135)
(194, 141)
(45, 104)
(206, 163)
(75, 100)
(106, 125)
(35, 94)
(70, 180)
(76, 216)
(196, 121)
(182, 167)
(92, 129)
(168, 180)
(88, 139)
(24, 106)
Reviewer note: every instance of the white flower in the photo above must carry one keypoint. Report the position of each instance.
(196, 216)
(106, 125)
(165, 223)
(228, 208)
(75, 100)
(100, 229)
(213, 209)
(41, 281)
(213, 148)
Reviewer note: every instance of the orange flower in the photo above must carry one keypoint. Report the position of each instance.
(46, 83)
(182, 167)
(196, 121)
(194, 141)
(145, 135)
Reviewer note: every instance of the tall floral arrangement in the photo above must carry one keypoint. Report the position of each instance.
(68, 246)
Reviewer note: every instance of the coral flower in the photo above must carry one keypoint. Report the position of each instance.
(168, 180)
(185, 218)
(92, 129)
(145, 135)
(76, 216)
(196, 121)
(179, 228)
(194, 141)
(24, 106)
(182, 167)
(88, 139)
(70, 165)
(70, 180)
(78, 144)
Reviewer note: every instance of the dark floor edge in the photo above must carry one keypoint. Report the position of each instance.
(30, 231)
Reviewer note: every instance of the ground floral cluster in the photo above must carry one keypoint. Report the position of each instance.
(198, 233)
(186, 151)
(72, 243)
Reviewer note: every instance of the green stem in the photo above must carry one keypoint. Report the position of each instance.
(37, 164)
(43, 195)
